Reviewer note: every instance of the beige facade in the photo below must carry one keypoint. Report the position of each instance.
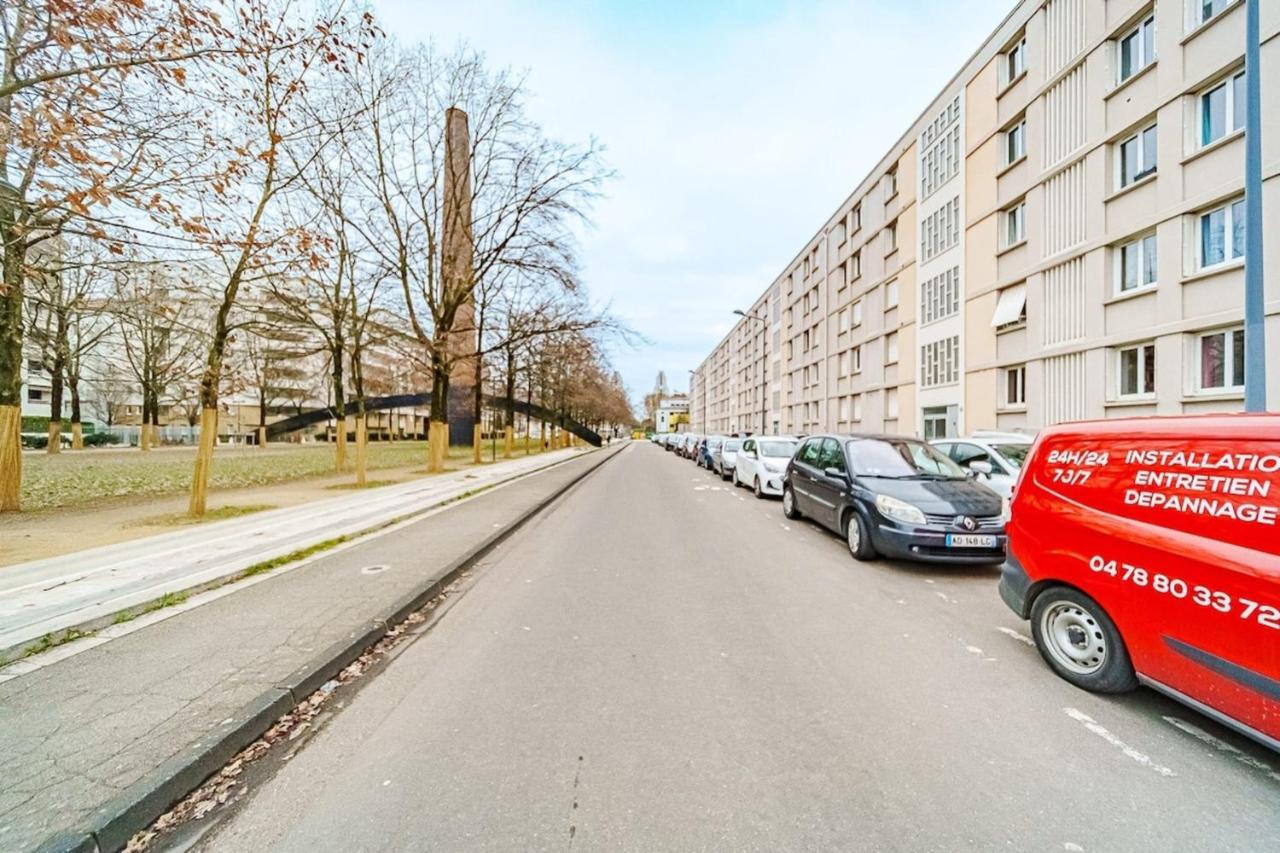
(1055, 238)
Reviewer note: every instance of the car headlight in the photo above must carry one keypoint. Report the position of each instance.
(899, 510)
(775, 467)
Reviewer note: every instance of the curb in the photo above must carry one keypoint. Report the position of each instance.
(17, 653)
(111, 826)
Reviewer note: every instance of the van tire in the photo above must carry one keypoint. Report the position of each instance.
(1078, 640)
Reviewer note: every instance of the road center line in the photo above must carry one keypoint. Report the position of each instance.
(1092, 725)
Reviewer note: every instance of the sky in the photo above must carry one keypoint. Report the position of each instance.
(735, 130)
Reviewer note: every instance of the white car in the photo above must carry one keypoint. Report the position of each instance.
(762, 463)
(996, 458)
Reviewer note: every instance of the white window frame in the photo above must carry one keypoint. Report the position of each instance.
(891, 294)
(1228, 239)
(1144, 169)
(1014, 216)
(856, 415)
(855, 360)
(1198, 16)
(1226, 83)
(891, 404)
(1228, 361)
(1019, 374)
(891, 237)
(856, 311)
(1018, 134)
(891, 348)
(1142, 271)
(1141, 60)
(1143, 351)
(1015, 60)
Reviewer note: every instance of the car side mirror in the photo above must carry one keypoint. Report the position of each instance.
(836, 474)
(980, 467)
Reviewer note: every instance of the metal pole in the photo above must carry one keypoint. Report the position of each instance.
(1255, 347)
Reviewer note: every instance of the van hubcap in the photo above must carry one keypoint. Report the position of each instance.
(1074, 638)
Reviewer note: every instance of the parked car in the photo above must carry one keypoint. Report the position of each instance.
(725, 457)
(706, 454)
(669, 441)
(762, 463)
(895, 496)
(687, 450)
(995, 457)
(1145, 551)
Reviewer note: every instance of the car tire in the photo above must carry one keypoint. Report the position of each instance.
(858, 538)
(1079, 641)
(737, 484)
(789, 508)
(755, 487)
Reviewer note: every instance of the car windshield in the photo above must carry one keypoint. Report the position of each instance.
(777, 448)
(733, 444)
(1016, 454)
(900, 459)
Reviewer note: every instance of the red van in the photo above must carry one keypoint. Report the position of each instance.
(1148, 550)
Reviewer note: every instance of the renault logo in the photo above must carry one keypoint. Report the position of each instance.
(966, 522)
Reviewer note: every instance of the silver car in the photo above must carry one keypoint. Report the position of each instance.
(995, 459)
(725, 456)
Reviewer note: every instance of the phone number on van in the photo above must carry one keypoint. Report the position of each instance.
(1264, 614)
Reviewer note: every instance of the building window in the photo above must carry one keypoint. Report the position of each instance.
(857, 313)
(1136, 264)
(891, 237)
(35, 395)
(1137, 371)
(891, 295)
(1207, 9)
(1015, 60)
(843, 321)
(1222, 234)
(855, 358)
(1015, 386)
(891, 403)
(857, 407)
(1138, 48)
(940, 362)
(1222, 109)
(1221, 357)
(1015, 224)
(35, 365)
(1011, 308)
(844, 408)
(940, 296)
(890, 184)
(855, 219)
(1015, 143)
(1138, 156)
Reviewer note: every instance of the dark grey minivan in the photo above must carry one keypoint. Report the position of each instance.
(895, 496)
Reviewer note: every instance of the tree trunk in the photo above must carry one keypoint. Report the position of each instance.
(55, 407)
(438, 434)
(10, 458)
(362, 448)
(77, 431)
(204, 461)
(477, 435)
(14, 246)
(340, 414)
(144, 433)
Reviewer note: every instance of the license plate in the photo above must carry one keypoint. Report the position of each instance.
(968, 540)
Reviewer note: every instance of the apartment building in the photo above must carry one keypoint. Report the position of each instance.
(1058, 236)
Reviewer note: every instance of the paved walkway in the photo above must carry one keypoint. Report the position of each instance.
(48, 596)
(83, 735)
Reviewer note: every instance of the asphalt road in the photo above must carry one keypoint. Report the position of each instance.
(662, 663)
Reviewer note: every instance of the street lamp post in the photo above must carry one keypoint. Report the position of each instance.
(1255, 347)
(764, 366)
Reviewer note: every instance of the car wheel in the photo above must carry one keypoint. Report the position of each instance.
(737, 484)
(858, 538)
(756, 488)
(789, 508)
(1080, 642)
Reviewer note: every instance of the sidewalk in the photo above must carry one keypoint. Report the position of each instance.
(89, 587)
(98, 744)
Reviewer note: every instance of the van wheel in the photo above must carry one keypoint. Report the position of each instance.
(858, 538)
(789, 504)
(1080, 642)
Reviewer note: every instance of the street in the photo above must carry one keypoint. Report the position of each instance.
(662, 662)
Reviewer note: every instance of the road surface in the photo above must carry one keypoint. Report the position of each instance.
(662, 663)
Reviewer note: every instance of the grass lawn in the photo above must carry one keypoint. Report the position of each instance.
(70, 479)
